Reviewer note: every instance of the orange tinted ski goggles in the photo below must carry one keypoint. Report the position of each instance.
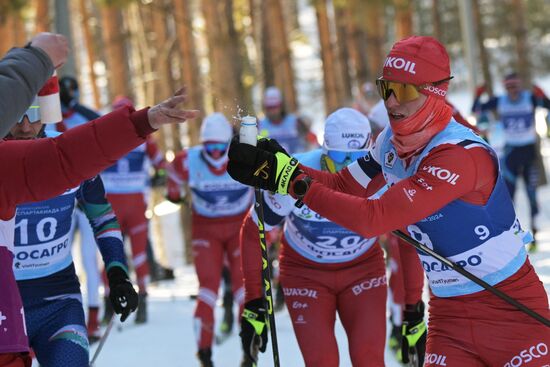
(403, 92)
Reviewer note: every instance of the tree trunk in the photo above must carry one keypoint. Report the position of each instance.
(403, 19)
(89, 45)
(190, 70)
(161, 44)
(223, 54)
(483, 55)
(280, 53)
(522, 45)
(343, 54)
(63, 26)
(332, 85)
(43, 19)
(268, 67)
(357, 41)
(140, 54)
(436, 20)
(5, 31)
(374, 12)
(115, 55)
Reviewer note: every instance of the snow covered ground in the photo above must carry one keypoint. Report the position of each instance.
(168, 339)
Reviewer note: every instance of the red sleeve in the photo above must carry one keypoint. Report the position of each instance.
(40, 169)
(341, 181)
(154, 153)
(412, 199)
(178, 174)
(251, 259)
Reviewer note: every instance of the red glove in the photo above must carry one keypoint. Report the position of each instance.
(480, 90)
(538, 92)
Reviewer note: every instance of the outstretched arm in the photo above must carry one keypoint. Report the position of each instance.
(91, 199)
(38, 169)
(411, 199)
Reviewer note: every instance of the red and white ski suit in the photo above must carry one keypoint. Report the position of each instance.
(475, 329)
(317, 288)
(219, 205)
(126, 183)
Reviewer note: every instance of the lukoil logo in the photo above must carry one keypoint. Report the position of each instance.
(442, 174)
(302, 292)
(400, 63)
(353, 135)
(438, 266)
(527, 355)
(437, 359)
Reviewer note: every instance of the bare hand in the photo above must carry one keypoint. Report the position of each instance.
(167, 113)
(54, 45)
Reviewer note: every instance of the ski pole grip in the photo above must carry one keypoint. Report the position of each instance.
(248, 133)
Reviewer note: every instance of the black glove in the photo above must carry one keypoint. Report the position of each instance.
(414, 333)
(258, 167)
(253, 329)
(271, 145)
(122, 294)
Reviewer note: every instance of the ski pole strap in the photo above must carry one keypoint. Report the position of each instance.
(414, 333)
(497, 292)
(252, 318)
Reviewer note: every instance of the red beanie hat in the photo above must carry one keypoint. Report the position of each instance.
(419, 60)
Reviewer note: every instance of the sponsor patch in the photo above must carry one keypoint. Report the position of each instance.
(389, 158)
(442, 173)
(400, 64)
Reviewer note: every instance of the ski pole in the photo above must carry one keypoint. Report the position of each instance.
(266, 269)
(103, 340)
(248, 134)
(420, 246)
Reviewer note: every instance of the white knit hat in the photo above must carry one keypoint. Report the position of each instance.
(347, 129)
(216, 127)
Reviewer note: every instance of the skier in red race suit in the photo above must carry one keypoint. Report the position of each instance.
(43, 168)
(446, 189)
(325, 269)
(219, 205)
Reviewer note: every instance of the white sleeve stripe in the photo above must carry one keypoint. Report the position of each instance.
(358, 174)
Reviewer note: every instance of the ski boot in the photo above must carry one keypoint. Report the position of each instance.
(205, 357)
(108, 311)
(141, 313)
(165, 273)
(93, 325)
